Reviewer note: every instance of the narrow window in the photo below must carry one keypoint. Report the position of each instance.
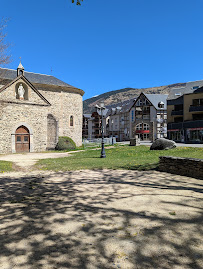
(71, 120)
(132, 115)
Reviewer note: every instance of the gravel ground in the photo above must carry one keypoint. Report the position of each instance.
(100, 219)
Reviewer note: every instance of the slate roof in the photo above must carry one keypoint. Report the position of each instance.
(11, 74)
(156, 98)
(87, 115)
(177, 92)
(121, 107)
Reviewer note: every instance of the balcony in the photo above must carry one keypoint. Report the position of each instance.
(185, 124)
(193, 124)
(177, 113)
(196, 108)
(175, 125)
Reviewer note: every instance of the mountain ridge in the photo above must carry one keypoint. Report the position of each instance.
(118, 96)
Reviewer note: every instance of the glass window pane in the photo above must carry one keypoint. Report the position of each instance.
(71, 120)
(26, 138)
(18, 138)
(195, 102)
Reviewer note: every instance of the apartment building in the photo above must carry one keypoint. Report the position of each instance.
(119, 120)
(148, 117)
(95, 123)
(86, 118)
(185, 113)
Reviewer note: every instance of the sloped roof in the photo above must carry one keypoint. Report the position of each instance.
(127, 105)
(155, 99)
(124, 106)
(11, 74)
(87, 115)
(177, 92)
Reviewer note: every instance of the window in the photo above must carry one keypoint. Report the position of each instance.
(146, 110)
(145, 136)
(146, 126)
(132, 114)
(195, 87)
(71, 120)
(161, 104)
(197, 102)
(139, 126)
(25, 138)
(197, 116)
(178, 107)
(178, 119)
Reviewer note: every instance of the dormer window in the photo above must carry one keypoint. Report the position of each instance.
(161, 104)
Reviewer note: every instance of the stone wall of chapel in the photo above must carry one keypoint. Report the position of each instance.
(63, 105)
(33, 116)
(9, 94)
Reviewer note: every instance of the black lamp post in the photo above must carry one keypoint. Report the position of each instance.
(112, 131)
(103, 155)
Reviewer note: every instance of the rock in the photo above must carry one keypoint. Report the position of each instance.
(162, 143)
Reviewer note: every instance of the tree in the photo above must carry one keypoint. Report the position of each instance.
(4, 56)
(78, 2)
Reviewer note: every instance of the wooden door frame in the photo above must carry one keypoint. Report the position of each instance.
(24, 145)
(13, 135)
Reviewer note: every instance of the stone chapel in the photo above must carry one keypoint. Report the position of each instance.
(36, 109)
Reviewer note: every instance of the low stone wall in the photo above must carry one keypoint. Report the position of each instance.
(182, 166)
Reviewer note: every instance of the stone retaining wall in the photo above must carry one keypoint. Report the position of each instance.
(182, 166)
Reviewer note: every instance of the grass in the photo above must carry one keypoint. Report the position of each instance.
(83, 147)
(5, 166)
(125, 157)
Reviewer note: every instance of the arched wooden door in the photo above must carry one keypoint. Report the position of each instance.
(22, 139)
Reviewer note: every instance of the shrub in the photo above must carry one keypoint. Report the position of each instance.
(65, 143)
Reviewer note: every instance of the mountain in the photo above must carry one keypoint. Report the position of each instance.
(119, 96)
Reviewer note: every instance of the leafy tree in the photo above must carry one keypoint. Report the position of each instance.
(78, 2)
(4, 56)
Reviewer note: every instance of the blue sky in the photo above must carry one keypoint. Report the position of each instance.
(107, 45)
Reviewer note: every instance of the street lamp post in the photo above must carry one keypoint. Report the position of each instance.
(112, 131)
(103, 155)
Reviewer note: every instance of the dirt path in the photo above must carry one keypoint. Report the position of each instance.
(25, 161)
(106, 219)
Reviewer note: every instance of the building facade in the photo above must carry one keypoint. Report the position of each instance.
(148, 117)
(185, 114)
(35, 110)
(95, 123)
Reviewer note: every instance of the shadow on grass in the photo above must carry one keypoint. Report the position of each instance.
(103, 219)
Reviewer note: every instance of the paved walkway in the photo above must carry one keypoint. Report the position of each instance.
(178, 144)
(100, 219)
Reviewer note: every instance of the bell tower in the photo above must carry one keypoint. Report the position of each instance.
(20, 69)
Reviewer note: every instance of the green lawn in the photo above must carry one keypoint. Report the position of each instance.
(5, 166)
(120, 157)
